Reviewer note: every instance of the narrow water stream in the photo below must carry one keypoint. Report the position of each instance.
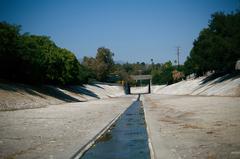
(126, 139)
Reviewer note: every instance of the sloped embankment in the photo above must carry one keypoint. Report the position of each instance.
(20, 96)
(227, 85)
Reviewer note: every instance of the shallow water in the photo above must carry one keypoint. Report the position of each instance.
(126, 139)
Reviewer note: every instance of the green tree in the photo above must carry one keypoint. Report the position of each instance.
(104, 63)
(36, 59)
(164, 74)
(217, 47)
(156, 76)
(10, 48)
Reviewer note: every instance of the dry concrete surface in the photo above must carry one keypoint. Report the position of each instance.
(14, 96)
(188, 127)
(181, 125)
(227, 85)
(56, 131)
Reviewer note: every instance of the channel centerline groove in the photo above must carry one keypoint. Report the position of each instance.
(126, 139)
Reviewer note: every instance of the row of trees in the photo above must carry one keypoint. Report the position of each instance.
(36, 59)
(165, 73)
(216, 49)
(218, 46)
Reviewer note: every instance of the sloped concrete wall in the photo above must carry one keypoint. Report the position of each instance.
(20, 96)
(221, 86)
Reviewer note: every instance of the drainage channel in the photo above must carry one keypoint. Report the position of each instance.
(126, 139)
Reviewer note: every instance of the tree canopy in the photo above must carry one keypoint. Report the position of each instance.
(218, 46)
(36, 59)
(100, 66)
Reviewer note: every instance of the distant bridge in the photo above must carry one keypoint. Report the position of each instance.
(143, 77)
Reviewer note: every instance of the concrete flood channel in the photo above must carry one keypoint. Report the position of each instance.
(127, 138)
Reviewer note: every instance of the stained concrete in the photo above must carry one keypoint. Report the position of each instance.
(15, 96)
(188, 127)
(221, 86)
(56, 131)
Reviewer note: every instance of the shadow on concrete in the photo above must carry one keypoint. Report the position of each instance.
(54, 92)
(38, 91)
(96, 86)
(81, 90)
(222, 77)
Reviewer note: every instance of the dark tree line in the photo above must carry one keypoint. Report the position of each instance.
(165, 73)
(216, 49)
(36, 59)
(218, 46)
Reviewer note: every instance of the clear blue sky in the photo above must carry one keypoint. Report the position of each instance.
(135, 30)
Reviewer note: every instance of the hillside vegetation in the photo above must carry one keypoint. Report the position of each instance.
(218, 46)
(37, 60)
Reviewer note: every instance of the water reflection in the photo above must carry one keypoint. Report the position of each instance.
(127, 139)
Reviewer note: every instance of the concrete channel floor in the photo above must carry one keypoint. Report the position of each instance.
(56, 131)
(188, 127)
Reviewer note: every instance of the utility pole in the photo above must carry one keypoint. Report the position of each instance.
(152, 63)
(178, 53)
